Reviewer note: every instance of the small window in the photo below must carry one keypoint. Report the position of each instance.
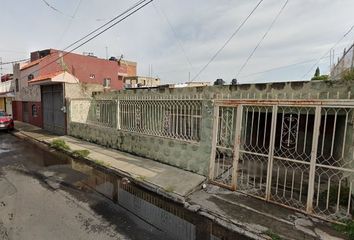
(107, 82)
(34, 111)
(30, 77)
(16, 85)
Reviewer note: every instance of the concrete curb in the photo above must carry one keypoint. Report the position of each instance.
(214, 217)
(117, 172)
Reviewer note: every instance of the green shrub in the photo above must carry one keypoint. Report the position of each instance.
(102, 163)
(81, 153)
(347, 228)
(59, 144)
(333, 194)
(322, 77)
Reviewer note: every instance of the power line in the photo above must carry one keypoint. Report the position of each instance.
(228, 40)
(55, 9)
(285, 66)
(96, 30)
(263, 37)
(277, 68)
(106, 29)
(11, 51)
(135, 8)
(70, 22)
(327, 52)
(100, 27)
(67, 15)
(16, 61)
(163, 14)
(107, 23)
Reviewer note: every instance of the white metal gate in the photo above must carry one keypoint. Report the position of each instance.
(295, 153)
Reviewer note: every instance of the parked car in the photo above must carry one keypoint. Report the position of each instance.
(6, 121)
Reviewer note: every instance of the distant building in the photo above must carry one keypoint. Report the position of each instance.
(139, 81)
(344, 63)
(51, 77)
(6, 93)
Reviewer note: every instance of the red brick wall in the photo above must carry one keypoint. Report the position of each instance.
(38, 120)
(83, 67)
(17, 110)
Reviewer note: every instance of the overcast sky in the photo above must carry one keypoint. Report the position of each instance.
(304, 32)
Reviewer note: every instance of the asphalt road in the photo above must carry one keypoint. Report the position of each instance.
(32, 206)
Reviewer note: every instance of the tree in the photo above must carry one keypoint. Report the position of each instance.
(219, 81)
(322, 77)
(318, 76)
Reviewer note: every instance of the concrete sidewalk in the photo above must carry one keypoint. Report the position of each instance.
(163, 178)
(245, 213)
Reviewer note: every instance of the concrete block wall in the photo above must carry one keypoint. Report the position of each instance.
(186, 155)
(195, 157)
(278, 90)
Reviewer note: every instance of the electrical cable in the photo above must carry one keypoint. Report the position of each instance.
(135, 8)
(55, 9)
(327, 52)
(107, 23)
(261, 40)
(228, 40)
(164, 16)
(16, 61)
(70, 22)
(285, 66)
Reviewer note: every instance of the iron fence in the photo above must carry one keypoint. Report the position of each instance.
(172, 118)
(295, 153)
(178, 119)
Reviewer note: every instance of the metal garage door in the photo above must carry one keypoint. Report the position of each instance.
(53, 102)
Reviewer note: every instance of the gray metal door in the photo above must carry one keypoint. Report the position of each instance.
(53, 102)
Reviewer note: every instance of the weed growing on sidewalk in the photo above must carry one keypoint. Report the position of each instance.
(272, 235)
(81, 153)
(59, 144)
(102, 163)
(169, 189)
(141, 178)
(347, 228)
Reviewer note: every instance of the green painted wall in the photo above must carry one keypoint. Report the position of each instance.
(186, 155)
(195, 157)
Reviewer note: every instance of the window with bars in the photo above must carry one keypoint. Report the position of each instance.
(178, 119)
